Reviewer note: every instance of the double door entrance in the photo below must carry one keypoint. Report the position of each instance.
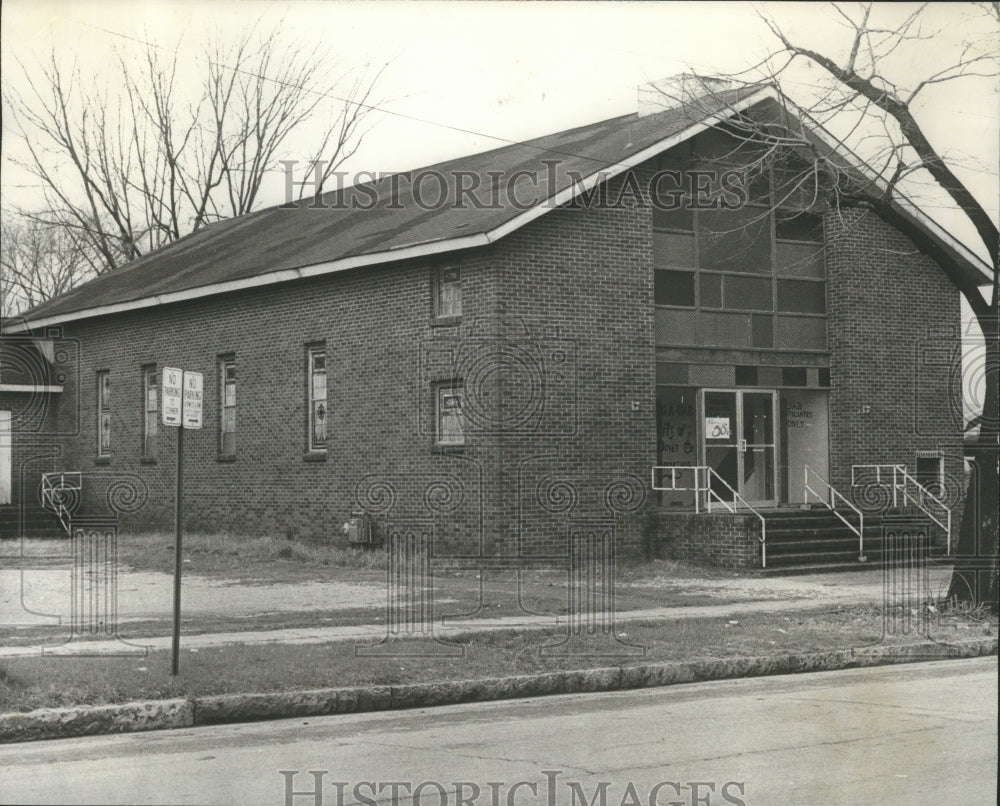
(738, 442)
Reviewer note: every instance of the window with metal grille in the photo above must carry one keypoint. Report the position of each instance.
(318, 408)
(449, 417)
(227, 406)
(448, 293)
(103, 413)
(151, 411)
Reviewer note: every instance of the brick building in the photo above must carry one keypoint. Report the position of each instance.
(502, 352)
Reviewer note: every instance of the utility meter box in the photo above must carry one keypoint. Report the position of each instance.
(361, 530)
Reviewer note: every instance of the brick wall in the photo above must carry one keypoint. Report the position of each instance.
(556, 353)
(894, 330)
(375, 324)
(719, 539)
(581, 281)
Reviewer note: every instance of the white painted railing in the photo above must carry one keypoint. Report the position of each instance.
(57, 490)
(830, 499)
(907, 490)
(702, 476)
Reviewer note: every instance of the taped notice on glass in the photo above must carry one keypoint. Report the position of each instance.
(716, 428)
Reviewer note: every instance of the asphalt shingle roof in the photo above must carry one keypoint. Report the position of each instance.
(279, 238)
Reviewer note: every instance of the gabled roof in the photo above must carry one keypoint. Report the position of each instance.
(288, 242)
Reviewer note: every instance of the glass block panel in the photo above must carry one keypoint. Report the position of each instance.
(735, 240)
(675, 326)
(748, 293)
(799, 333)
(723, 329)
(671, 373)
(680, 219)
(763, 331)
(710, 289)
(673, 249)
(799, 260)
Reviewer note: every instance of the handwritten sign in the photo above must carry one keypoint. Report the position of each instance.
(717, 428)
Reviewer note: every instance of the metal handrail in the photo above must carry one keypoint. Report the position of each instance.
(737, 498)
(66, 481)
(899, 488)
(709, 474)
(831, 504)
(674, 469)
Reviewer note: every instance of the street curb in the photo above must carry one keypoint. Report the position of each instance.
(52, 723)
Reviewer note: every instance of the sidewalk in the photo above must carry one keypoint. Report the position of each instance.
(810, 592)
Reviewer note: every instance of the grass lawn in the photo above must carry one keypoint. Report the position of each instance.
(28, 683)
(274, 561)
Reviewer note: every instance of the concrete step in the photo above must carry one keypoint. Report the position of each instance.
(845, 565)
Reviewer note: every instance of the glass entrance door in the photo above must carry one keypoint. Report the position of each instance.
(721, 448)
(738, 439)
(757, 472)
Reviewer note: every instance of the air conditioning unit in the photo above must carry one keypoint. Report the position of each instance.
(361, 530)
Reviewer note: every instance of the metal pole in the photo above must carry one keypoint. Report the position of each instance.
(178, 531)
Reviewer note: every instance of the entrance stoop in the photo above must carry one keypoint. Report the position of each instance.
(817, 541)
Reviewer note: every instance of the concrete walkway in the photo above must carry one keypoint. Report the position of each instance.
(773, 595)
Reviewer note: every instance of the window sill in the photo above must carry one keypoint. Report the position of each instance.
(446, 321)
(446, 449)
(147, 460)
(102, 460)
(314, 456)
(226, 458)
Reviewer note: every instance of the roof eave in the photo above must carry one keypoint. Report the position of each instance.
(557, 199)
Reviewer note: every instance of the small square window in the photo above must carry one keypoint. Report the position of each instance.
(448, 293)
(794, 376)
(449, 416)
(801, 296)
(797, 226)
(673, 288)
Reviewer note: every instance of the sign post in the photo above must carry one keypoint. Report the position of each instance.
(182, 408)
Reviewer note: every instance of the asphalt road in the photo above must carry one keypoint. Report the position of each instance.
(917, 734)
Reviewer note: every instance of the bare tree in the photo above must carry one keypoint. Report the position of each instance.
(37, 262)
(859, 85)
(131, 168)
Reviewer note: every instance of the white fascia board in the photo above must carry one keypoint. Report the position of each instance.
(29, 388)
(610, 172)
(911, 208)
(256, 281)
